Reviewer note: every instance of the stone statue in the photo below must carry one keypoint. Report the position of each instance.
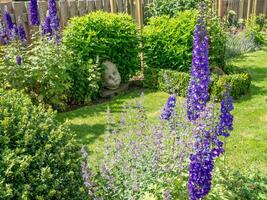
(111, 76)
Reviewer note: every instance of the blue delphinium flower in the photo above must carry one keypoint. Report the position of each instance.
(47, 26)
(168, 109)
(54, 20)
(197, 95)
(3, 34)
(34, 13)
(21, 31)
(8, 19)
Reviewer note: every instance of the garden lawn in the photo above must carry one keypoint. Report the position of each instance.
(246, 147)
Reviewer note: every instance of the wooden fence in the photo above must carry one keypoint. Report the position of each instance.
(243, 8)
(71, 8)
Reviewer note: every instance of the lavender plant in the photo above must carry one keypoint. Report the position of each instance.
(3, 34)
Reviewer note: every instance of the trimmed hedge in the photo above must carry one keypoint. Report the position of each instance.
(39, 157)
(171, 81)
(110, 36)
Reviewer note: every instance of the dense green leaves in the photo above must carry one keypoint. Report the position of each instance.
(177, 82)
(168, 42)
(39, 157)
(112, 37)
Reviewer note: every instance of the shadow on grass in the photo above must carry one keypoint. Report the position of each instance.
(88, 134)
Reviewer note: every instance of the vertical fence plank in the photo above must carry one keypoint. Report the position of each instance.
(113, 6)
(98, 4)
(90, 5)
(82, 7)
(43, 6)
(64, 12)
(106, 5)
(73, 8)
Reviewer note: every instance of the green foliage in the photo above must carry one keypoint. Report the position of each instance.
(217, 40)
(261, 20)
(42, 73)
(168, 41)
(253, 29)
(177, 82)
(236, 185)
(112, 37)
(171, 7)
(39, 157)
(232, 20)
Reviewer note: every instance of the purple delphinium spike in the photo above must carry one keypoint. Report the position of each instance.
(21, 31)
(47, 26)
(3, 34)
(8, 19)
(54, 20)
(168, 109)
(197, 94)
(34, 13)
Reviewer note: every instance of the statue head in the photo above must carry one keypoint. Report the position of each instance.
(111, 76)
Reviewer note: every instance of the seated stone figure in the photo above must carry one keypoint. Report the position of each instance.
(111, 76)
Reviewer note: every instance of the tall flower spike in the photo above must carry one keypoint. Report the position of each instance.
(197, 95)
(34, 13)
(54, 20)
(47, 26)
(3, 34)
(168, 109)
(21, 31)
(8, 19)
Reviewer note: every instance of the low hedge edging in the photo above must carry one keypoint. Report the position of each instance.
(171, 81)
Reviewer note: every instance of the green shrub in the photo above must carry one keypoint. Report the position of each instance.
(109, 36)
(39, 157)
(171, 7)
(43, 72)
(254, 30)
(168, 42)
(177, 82)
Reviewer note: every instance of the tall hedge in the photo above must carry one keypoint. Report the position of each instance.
(109, 36)
(39, 157)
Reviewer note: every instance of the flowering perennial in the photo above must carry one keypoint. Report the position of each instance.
(54, 20)
(47, 26)
(3, 34)
(21, 31)
(168, 110)
(34, 14)
(197, 95)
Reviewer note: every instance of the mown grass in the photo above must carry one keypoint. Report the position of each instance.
(246, 148)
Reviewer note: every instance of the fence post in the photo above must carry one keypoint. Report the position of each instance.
(265, 8)
(140, 13)
(241, 9)
(248, 12)
(220, 9)
(255, 7)
(112, 6)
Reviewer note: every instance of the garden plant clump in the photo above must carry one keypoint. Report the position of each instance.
(155, 160)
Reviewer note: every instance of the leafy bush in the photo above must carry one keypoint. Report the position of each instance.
(43, 72)
(232, 19)
(177, 82)
(229, 184)
(109, 36)
(238, 44)
(217, 40)
(39, 157)
(171, 7)
(168, 42)
(261, 20)
(253, 29)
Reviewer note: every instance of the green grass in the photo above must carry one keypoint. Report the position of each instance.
(247, 146)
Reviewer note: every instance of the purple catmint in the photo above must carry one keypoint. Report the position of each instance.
(34, 13)
(197, 94)
(168, 109)
(53, 15)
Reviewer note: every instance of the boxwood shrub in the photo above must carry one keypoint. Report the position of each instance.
(39, 157)
(109, 36)
(171, 81)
